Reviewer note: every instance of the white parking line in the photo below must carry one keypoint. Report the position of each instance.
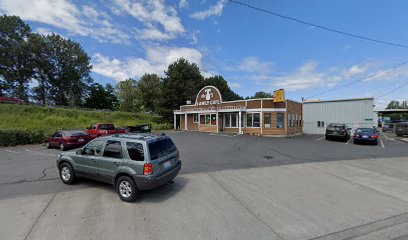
(10, 151)
(382, 143)
(386, 136)
(319, 139)
(348, 141)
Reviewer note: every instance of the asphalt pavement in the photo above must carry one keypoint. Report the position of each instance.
(230, 187)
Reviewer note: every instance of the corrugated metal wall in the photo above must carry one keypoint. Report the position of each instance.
(355, 113)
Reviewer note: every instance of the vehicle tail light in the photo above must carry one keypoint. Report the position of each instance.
(147, 169)
(374, 136)
(356, 136)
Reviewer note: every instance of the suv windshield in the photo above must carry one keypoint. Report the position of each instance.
(160, 148)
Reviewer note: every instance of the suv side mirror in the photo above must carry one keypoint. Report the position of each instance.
(79, 152)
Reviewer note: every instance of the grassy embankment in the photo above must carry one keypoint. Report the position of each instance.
(24, 124)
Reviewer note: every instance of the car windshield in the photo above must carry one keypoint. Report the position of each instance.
(75, 134)
(336, 126)
(364, 130)
(107, 126)
(162, 147)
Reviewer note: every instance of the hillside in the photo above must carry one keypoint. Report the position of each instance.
(45, 120)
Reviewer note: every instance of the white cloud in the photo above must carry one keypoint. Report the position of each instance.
(161, 21)
(156, 61)
(356, 70)
(234, 85)
(183, 3)
(65, 15)
(217, 9)
(306, 76)
(194, 38)
(389, 75)
(253, 65)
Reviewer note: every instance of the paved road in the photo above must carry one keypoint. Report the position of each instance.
(227, 190)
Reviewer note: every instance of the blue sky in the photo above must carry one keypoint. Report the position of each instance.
(252, 50)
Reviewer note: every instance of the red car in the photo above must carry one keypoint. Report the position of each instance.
(68, 139)
(103, 129)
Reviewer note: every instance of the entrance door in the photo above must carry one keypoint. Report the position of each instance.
(220, 123)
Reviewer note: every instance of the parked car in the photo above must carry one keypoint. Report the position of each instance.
(390, 125)
(142, 128)
(401, 129)
(131, 162)
(367, 135)
(103, 129)
(68, 139)
(338, 131)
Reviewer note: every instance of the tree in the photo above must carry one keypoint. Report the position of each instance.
(261, 94)
(15, 57)
(100, 97)
(181, 83)
(67, 70)
(222, 85)
(397, 105)
(149, 91)
(127, 94)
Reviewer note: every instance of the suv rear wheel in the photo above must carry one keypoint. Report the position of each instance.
(126, 189)
(67, 174)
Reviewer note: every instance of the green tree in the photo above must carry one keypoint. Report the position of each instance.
(222, 85)
(181, 83)
(15, 57)
(100, 97)
(67, 70)
(397, 105)
(127, 94)
(149, 91)
(261, 94)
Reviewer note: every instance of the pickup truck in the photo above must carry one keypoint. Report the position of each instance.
(103, 129)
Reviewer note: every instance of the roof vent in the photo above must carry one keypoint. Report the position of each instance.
(188, 102)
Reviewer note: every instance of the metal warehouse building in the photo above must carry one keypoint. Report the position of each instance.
(357, 112)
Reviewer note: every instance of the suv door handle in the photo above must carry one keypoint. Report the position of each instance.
(93, 160)
(115, 164)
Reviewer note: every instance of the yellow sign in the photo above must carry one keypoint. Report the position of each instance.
(279, 95)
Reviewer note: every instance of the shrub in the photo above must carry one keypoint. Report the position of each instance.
(20, 137)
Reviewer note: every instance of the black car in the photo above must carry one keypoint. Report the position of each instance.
(338, 131)
(401, 129)
(366, 135)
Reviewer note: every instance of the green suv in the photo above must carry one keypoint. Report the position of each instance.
(131, 162)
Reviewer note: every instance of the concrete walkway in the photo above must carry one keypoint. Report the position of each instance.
(353, 199)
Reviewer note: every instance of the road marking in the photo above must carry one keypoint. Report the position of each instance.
(382, 143)
(10, 151)
(386, 136)
(348, 141)
(319, 139)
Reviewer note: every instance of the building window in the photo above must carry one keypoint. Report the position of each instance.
(231, 120)
(289, 120)
(195, 118)
(293, 120)
(320, 124)
(253, 120)
(242, 120)
(213, 119)
(280, 120)
(202, 119)
(296, 120)
(267, 120)
(300, 120)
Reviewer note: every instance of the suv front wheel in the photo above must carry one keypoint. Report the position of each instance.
(126, 189)
(67, 174)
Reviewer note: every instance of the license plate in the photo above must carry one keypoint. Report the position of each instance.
(167, 164)
(81, 140)
(365, 136)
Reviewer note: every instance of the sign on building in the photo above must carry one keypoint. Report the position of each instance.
(208, 96)
(279, 95)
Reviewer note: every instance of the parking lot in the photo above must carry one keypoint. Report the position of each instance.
(230, 187)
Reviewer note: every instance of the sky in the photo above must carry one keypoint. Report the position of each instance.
(252, 50)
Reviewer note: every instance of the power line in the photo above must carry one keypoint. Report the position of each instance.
(359, 80)
(320, 26)
(395, 89)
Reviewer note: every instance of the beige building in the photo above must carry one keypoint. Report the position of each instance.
(264, 116)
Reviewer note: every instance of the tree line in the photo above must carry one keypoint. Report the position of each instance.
(54, 70)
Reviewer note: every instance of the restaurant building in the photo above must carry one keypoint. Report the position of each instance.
(264, 116)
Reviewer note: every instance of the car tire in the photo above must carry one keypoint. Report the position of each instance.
(127, 189)
(67, 174)
(48, 145)
(62, 147)
(326, 137)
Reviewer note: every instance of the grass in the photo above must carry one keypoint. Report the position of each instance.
(49, 119)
